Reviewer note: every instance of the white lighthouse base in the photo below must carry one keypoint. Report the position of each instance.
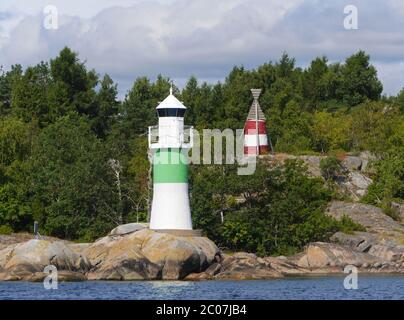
(170, 207)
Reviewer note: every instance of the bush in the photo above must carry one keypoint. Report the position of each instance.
(330, 168)
(6, 229)
(283, 208)
(347, 225)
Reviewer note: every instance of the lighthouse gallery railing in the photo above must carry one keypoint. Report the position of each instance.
(170, 137)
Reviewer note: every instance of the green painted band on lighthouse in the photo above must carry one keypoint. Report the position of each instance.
(170, 166)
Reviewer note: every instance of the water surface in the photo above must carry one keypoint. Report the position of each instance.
(330, 287)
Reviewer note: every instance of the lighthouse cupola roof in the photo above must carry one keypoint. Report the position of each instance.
(171, 102)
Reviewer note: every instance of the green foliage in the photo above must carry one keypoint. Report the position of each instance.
(347, 225)
(330, 168)
(138, 110)
(281, 211)
(6, 229)
(376, 127)
(15, 149)
(400, 101)
(330, 131)
(359, 80)
(62, 124)
(72, 182)
(388, 182)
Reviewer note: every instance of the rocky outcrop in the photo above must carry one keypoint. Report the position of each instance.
(128, 253)
(355, 184)
(399, 209)
(320, 255)
(354, 181)
(246, 266)
(21, 261)
(371, 217)
(15, 238)
(128, 228)
(149, 255)
(384, 236)
(134, 252)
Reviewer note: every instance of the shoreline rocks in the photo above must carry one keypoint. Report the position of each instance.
(21, 261)
(149, 255)
(134, 252)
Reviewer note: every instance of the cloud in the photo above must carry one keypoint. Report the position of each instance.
(206, 38)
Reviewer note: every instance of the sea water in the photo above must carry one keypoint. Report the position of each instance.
(325, 287)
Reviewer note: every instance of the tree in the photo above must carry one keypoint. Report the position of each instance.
(138, 110)
(30, 95)
(330, 131)
(400, 100)
(7, 81)
(107, 106)
(359, 80)
(374, 124)
(388, 183)
(73, 87)
(275, 211)
(15, 149)
(315, 84)
(72, 182)
(295, 131)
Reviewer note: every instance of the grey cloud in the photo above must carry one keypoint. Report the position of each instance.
(207, 37)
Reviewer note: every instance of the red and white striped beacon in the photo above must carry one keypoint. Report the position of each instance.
(255, 133)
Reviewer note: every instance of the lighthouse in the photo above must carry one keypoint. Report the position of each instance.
(169, 143)
(255, 134)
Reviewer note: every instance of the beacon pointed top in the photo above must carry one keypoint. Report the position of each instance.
(171, 102)
(256, 93)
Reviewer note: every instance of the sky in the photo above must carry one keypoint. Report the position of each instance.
(205, 38)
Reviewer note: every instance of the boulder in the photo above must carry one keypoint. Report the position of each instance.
(15, 238)
(352, 163)
(399, 208)
(359, 180)
(78, 247)
(149, 255)
(246, 266)
(355, 184)
(198, 276)
(388, 253)
(286, 266)
(22, 260)
(63, 276)
(360, 241)
(128, 228)
(371, 217)
(320, 255)
(313, 164)
(366, 158)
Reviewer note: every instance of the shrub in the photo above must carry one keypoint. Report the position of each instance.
(347, 225)
(6, 229)
(330, 168)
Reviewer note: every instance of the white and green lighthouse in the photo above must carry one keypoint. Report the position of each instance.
(169, 144)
